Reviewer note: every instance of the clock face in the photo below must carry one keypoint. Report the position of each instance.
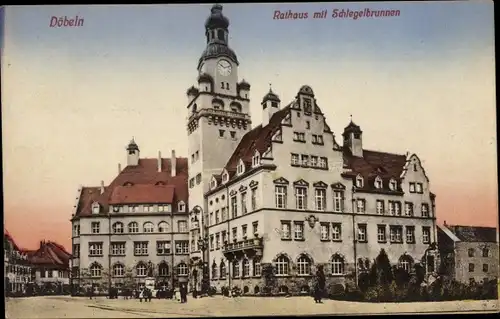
(224, 67)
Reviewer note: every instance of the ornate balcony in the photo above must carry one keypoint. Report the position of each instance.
(220, 113)
(246, 247)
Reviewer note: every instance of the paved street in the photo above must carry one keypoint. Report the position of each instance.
(68, 307)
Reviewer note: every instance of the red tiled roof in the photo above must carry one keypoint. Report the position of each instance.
(49, 253)
(145, 173)
(373, 164)
(258, 139)
(142, 194)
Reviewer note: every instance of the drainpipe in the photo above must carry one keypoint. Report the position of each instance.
(109, 252)
(228, 270)
(354, 240)
(172, 246)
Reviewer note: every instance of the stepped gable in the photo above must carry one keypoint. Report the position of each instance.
(136, 177)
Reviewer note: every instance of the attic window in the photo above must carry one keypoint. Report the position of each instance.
(378, 182)
(357, 136)
(181, 207)
(225, 177)
(240, 168)
(128, 184)
(393, 185)
(256, 159)
(213, 184)
(95, 208)
(160, 183)
(359, 181)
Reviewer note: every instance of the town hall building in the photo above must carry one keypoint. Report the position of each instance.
(287, 193)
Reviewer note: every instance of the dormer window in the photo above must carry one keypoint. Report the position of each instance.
(393, 185)
(256, 159)
(378, 182)
(213, 183)
(95, 208)
(359, 181)
(181, 207)
(225, 177)
(241, 168)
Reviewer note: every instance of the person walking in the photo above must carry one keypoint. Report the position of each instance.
(183, 290)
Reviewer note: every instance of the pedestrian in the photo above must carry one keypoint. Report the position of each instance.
(319, 284)
(141, 295)
(183, 290)
(150, 294)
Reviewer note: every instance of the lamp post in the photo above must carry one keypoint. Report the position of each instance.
(203, 245)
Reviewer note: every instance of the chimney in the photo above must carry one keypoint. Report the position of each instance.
(119, 168)
(445, 223)
(41, 244)
(159, 161)
(102, 187)
(173, 164)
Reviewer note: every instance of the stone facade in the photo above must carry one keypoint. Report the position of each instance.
(17, 268)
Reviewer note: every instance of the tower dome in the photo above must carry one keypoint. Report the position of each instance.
(216, 18)
(271, 96)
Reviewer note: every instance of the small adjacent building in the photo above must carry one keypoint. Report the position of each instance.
(468, 253)
(17, 269)
(50, 266)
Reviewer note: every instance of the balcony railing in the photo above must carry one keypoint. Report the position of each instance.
(231, 114)
(247, 244)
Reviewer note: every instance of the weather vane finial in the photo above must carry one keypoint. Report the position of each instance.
(270, 87)
(350, 115)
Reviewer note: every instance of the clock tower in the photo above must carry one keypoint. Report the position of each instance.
(218, 110)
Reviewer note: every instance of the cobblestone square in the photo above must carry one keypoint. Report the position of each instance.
(68, 307)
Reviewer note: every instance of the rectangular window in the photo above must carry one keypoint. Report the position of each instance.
(362, 235)
(182, 247)
(244, 209)
(140, 248)
(244, 231)
(338, 201)
(212, 242)
(410, 234)
(255, 226)
(163, 247)
(314, 161)
(217, 216)
(285, 230)
(217, 241)
(253, 199)
(211, 219)
(95, 227)
(323, 162)
(381, 233)
(182, 224)
(320, 198)
(325, 231)
(412, 187)
(234, 207)
(304, 160)
(419, 188)
(295, 159)
(235, 234)
(486, 252)
(298, 230)
(425, 210)
(280, 193)
(95, 249)
(396, 234)
(395, 208)
(380, 207)
(76, 250)
(301, 198)
(426, 235)
(224, 237)
(221, 133)
(409, 209)
(485, 267)
(471, 267)
(360, 205)
(118, 249)
(224, 214)
(336, 232)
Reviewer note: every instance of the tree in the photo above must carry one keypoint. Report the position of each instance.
(381, 272)
(268, 273)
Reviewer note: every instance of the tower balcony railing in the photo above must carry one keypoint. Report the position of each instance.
(224, 113)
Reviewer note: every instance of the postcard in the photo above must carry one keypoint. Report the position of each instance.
(249, 159)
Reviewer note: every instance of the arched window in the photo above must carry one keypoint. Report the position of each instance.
(236, 269)
(141, 270)
(282, 266)
(118, 228)
(303, 266)
(118, 270)
(182, 269)
(133, 227)
(256, 290)
(148, 227)
(406, 263)
(95, 270)
(214, 271)
(256, 267)
(163, 227)
(163, 269)
(337, 265)
(246, 268)
(222, 270)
